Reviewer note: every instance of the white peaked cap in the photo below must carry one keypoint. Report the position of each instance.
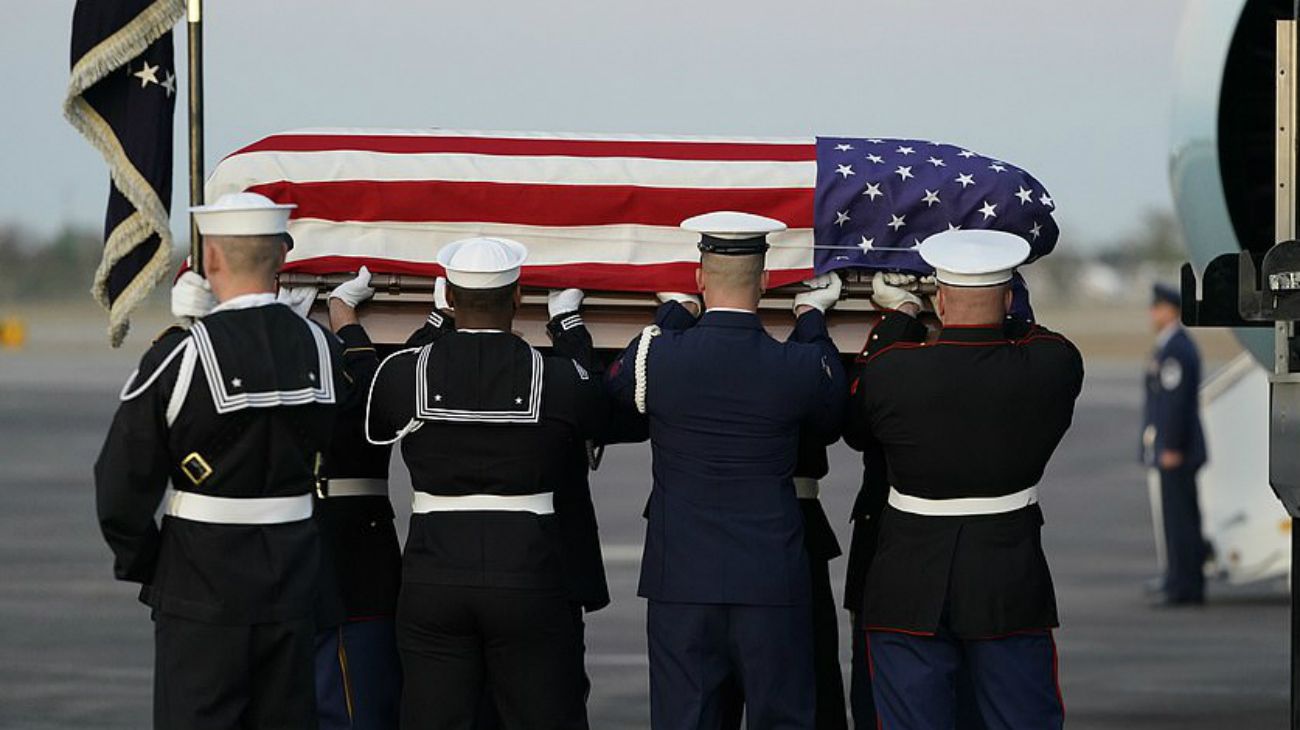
(730, 225)
(974, 258)
(482, 263)
(243, 214)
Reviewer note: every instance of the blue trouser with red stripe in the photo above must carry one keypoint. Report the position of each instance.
(1013, 679)
(358, 676)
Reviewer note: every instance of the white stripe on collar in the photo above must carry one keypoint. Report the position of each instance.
(730, 309)
(225, 402)
(480, 332)
(531, 412)
(246, 301)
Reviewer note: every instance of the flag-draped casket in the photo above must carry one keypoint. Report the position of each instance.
(601, 211)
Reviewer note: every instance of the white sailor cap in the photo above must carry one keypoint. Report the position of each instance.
(974, 258)
(482, 263)
(243, 214)
(730, 233)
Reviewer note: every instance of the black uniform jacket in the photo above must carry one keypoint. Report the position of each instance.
(482, 413)
(252, 389)
(582, 563)
(870, 502)
(362, 552)
(977, 413)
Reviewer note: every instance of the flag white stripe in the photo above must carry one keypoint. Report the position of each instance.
(241, 172)
(547, 245)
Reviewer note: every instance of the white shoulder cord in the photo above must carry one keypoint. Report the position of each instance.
(184, 377)
(642, 355)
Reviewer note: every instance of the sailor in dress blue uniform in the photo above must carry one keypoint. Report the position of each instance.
(725, 568)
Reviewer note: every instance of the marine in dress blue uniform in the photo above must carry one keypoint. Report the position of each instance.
(358, 673)
(1173, 447)
(725, 567)
(235, 413)
(967, 424)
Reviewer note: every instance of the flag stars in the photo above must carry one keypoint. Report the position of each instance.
(953, 227)
(904, 172)
(937, 162)
(906, 151)
(998, 167)
(1047, 200)
(1026, 195)
(966, 180)
(867, 244)
(875, 141)
(897, 221)
(931, 198)
(966, 153)
(989, 210)
(844, 170)
(877, 159)
(147, 75)
(842, 217)
(1036, 231)
(169, 83)
(873, 191)
(843, 147)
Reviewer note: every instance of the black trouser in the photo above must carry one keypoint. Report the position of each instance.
(524, 647)
(826, 659)
(490, 719)
(223, 677)
(1184, 542)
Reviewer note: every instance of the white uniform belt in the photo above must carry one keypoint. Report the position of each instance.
(237, 510)
(964, 506)
(356, 488)
(807, 488)
(542, 504)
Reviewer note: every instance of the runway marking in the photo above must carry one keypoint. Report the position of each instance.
(622, 553)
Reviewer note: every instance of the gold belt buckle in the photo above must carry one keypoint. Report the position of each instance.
(196, 468)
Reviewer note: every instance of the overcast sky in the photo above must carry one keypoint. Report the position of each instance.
(1079, 93)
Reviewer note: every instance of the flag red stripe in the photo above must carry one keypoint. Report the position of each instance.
(675, 276)
(433, 201)
(656, 150)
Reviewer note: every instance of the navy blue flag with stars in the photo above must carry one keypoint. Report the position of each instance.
(876, 199)
(121, 97)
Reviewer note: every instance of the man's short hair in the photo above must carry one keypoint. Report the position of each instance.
(251, 255)
(734, 272)
(484, 301)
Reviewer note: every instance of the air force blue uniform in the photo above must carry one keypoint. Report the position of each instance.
(1173, 423)
(725, 566)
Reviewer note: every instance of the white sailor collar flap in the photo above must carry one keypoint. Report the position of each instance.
(263, 362)
(479, 379)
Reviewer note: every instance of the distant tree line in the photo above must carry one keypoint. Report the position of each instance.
(60, 267)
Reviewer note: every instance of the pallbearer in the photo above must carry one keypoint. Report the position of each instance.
(725, 568)
(966, 425)
(235, 411)
(487, 426)
(358, 676)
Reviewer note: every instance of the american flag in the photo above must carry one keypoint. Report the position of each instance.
(878, 198)
(596, 211)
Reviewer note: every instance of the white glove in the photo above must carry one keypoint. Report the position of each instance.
(563, 301)
(440, 302)
(355, 290)
(298, 298)
(192, 296)
(887, 291)
(825, 291)
(686, 300)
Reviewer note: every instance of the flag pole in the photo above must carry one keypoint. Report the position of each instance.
(195, 26)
